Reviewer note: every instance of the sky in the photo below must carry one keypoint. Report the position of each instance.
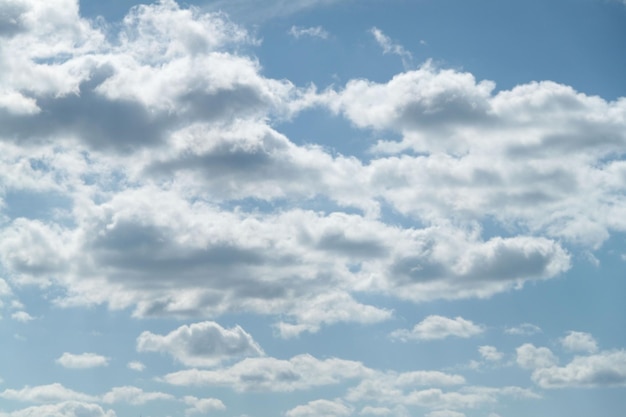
(312, 208)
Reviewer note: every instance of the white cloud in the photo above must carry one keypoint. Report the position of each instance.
(136, 366)
(470, 397)
(270, 374)
(327, 309)
(63, 409)
(52, 393)
(439, 327)
(314, 32)
(514, 173)
(22, 316)
(392, 387)
(524, 329)
(579, 342)
(201, 344)
(605, 369)
(531, 357)
(82, 361)
(202, 405)
(389, 47)
(5, 290)
(317, 408)
(445, 413)
(133, 395)
(490, 353)
(204, 110)
(375, 411)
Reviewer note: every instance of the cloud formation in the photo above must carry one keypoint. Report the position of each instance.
(146, 219)
(605, 369)
(531, 357)
(63, 409)
(272, 375)
(201, 344)
(579, 342)
(313, 31)
(439, 327)
(82, 360)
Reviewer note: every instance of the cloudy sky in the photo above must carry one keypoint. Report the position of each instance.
(312, 208)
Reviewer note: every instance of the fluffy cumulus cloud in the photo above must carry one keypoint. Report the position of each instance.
(495, 155)
(201, 344)
(604, 369)
(531, 357)
(22, 316)
(490, 353)
(143, 215)
(439, 327)
(321, 408)
(202, 405)
(591, 369)
(82, 361)
(579, 342)
(158, 182)
(271, 374)
(136, 366)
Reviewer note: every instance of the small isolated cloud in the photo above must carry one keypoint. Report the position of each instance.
(201, 344)
(579, 342)
(313, 32)
(22, 316)
(439, 327)
(490, 353)
(389, 47)
(605, 369)
(133, 396)
(531, 357)
(524, 329)
(202, 405)
(136, 366)
(318, 408)
(82, 361)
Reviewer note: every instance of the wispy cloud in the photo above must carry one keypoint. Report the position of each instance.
(313, 32)
(389, 47)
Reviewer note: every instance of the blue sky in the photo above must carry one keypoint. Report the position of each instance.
(312, 208)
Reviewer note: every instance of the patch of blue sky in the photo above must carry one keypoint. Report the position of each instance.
(36, 205)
